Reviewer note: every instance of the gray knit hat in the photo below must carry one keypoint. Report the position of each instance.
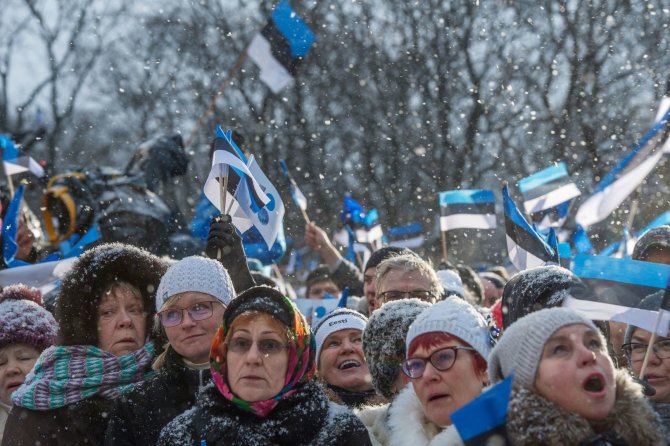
(456, 317)
(520, 348)
(337, 320)
(195, 273)
(384, 341)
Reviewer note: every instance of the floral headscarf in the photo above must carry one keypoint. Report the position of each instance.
(301, 351)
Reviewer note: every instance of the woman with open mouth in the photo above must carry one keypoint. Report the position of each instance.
(446, 350)
(566, 389)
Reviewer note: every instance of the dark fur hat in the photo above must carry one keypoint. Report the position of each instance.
(83, 287)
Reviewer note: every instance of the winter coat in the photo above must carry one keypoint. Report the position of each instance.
(4, 413)
(534, 420)
(345, 397)
(139, 415)
(409, 425)
(304, 418)
(375, 419)
(348, 275)
(663, 411)
(81, 423)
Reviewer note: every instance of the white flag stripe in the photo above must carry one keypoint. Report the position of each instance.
(273, 73)
(465, 221)
(40, 275)
(368, 236)
(521, 258)
(414, 242)
(662, 108)
(552, 199)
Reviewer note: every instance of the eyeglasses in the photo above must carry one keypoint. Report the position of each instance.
(635, 351)
(267, 347)
(388, 296)
(198, 312)
(442, 360)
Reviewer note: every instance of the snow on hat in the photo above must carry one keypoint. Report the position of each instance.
(195, 274)
(23, 320)
(451, 282)
(655, 239)
(520, 348)
(384, 341)
(456, 317)
(337, 320)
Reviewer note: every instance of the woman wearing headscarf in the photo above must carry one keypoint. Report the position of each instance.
(264, 389)
(566, 389)
(104, 316)
(190, 301)
(26, 329)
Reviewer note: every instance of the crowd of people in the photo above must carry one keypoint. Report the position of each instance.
(140, 349)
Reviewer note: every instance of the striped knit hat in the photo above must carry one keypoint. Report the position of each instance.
(23, 320)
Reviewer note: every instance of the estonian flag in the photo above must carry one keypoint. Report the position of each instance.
(280, 47)
(616, 249)
(296, 193)
(14, 162)
(614, 288)
(629, 173)
(408, 236)
(482, 421)
(526, 248)
(547, 189)
(463, 209)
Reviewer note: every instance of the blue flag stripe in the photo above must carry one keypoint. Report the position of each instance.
(464, 196)
(634, 272)
(548, 175)
(296, 32)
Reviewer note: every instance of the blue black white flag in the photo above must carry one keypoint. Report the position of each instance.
(467, 209)
(547, 188)
(10, 228)
(628, 173)
(631, 238)
(14, 162)
(407, 236)
(280, 47)
(525, 246)
(296, 193)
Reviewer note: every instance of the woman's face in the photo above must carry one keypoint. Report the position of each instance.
(192, 338)
(16, 360)
(342, 363)
(121, 321)
(658, 370)
(442, 393)
(576, 373)
(257, 358)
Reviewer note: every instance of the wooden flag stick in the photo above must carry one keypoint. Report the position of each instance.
(223, 188)
(444, 245)
(304, 215)
(647, 354)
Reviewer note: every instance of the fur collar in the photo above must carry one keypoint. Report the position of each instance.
(375, 419)
(409, 425)
(534, 420)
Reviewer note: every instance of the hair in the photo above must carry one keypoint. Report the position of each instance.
(408, 263)
(319, 274)
(500, 271)
(123, 285)
(433, 339)
(474, 290)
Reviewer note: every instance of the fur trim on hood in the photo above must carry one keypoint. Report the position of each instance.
(96, 269)
(375, 419)
(534, 420)
(409, 425)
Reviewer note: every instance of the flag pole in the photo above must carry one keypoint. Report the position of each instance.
(223, 187)
(304, 215)
(650, 346)
(443, 235)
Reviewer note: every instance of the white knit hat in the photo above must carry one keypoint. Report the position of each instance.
(339, 319)
(451, 282)
(199, 274)
(456, 317)
(520, 348)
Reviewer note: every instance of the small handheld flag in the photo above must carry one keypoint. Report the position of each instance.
(408, 236)
(547, 188)
(14, 162)
(467, 209)
(298, 197)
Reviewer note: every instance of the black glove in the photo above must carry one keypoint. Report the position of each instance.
(224, 245)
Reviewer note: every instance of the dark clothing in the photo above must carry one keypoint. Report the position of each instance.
(139, 415)
(304, 418)
(81, 423)
(353, 400)
(348, 275)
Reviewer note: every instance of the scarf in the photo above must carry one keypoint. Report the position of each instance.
(64, 375)
(301, 363)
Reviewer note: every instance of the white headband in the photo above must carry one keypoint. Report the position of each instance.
(337, 322)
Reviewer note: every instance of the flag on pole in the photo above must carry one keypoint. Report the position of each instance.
(10, 228)
(547, 188)
(280, 47)
(43, 276)
(462, 209)
(628, 173)
(14, 162)
(615, 249)
(297, 195)
(407, 236)
(526, 248)
(371, 230)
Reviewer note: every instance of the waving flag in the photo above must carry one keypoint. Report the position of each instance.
(10, 228)
(630, 239)
(408, 236)
(460, 209)
(297, 195)
(14, 162)
(629, 173)
(547, 188)
(526, 248)
(280, 47)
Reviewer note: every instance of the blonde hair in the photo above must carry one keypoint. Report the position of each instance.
(408, 263)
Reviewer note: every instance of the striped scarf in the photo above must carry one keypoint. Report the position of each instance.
(64, 375)
(301, 364)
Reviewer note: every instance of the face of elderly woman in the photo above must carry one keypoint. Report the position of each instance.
(442, 392)
(342, 362)
(257, 357)
(16, 360)
(576, 373)
(121, 320)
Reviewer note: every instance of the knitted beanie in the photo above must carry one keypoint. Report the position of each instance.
(384, 341)
(23, 320)
(451, 282)
(263, 299)
(337, 320)
(195, 274)
(651, 302)
(655, 239)
(384, 253)
(520, 348)
(456, 317)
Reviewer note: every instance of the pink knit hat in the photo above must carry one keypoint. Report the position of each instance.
(24, 320)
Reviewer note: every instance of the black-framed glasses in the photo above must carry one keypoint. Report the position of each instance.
(388, 296)
(267, 347)
(198, 311)
(442, 360)
(635, 351)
